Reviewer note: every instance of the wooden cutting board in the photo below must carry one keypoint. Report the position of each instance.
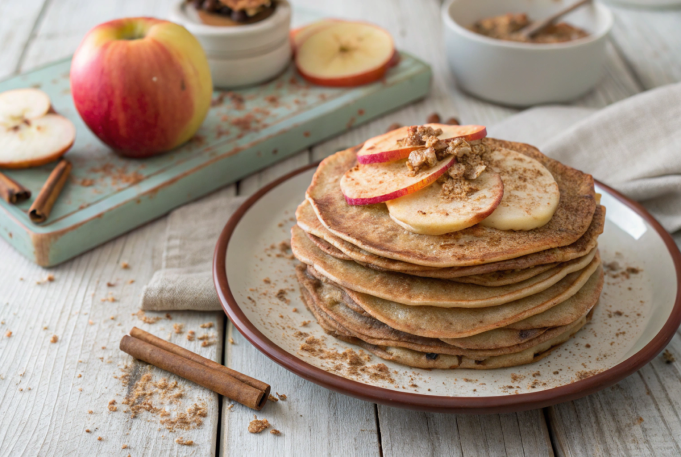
(246, 130)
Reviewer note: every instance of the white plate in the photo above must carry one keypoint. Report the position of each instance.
(633, 322)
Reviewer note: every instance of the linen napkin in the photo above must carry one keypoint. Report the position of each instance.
(185, 280)
(633, 146)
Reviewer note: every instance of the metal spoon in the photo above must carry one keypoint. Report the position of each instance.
(535, 27)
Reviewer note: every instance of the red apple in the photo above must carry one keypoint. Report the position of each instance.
(384, 148)
(31, 133)
(142, 85)
(378, 183)
(345, 54)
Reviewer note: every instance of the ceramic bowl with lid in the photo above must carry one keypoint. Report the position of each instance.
(245, 54)
(525, 74)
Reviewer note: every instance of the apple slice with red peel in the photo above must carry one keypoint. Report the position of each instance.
(299, 35)
(29, 134)
(425, 212)
(384, 148)
(378, 183)
(345, 54)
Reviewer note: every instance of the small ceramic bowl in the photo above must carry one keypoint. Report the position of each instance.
(524, 74)
(241, 55)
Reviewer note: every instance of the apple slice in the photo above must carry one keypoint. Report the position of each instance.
(426, 213)
(378, 183)
(531, 194)
(345, 54)
(29, 135)
(384, 148)
(299, 35)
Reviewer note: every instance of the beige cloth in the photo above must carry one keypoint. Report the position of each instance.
(185, 281)
(633, 145)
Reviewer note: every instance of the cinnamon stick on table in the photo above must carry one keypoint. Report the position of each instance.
(182, 362)
(11, 191)
(42, 206)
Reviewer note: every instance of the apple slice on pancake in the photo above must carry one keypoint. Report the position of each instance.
(384, 148)
(380, 182)
(425, 212)
(531, 193)
(29, 134)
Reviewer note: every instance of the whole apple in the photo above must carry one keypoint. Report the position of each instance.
(142, 85)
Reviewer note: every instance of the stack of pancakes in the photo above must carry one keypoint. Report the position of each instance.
(478, 298)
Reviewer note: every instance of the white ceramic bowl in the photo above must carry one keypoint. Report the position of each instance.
(524, 74)
(241, 55)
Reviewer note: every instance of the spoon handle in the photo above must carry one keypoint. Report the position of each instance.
(538, 26)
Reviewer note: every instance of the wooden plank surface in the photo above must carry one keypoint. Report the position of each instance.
(17, 21)
(312, 420)
(639, 416)
(649, 40)
(47, 389)
(77, 374)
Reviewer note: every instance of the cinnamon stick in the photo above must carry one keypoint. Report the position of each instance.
(197, 369)
(187, 354)
(42, 206)
(11, 191)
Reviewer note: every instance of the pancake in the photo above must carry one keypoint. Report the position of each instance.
(495, 279)
(369, 227)
(421, 353)
(332, 302)
(423, 360)
(417, 291)
(328, 248)
(308, 221)
(509, 277)
(576, 290)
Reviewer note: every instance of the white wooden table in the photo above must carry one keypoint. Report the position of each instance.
(51, 393)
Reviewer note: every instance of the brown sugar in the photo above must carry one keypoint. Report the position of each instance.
(183, 442)
(282, 397)
(8, 334)
(153, 397)
(146, 319)
(190, 335)
(54, 339)
(281, 296)
(112, 406)
(125, 265)
(274, 431)
(272, 398)
(257, 425)
(587, 373)
(668, 356)
(206, 325)
(508, 27)
(178, 328)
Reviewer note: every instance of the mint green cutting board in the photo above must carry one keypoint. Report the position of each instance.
(108, 195)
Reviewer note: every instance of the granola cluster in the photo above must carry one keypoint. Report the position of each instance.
(468, 154)
(470, 159)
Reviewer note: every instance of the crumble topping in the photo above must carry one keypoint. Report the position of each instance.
(257, 425)
(468, 153)
(507, 27)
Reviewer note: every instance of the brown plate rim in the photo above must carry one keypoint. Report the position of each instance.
(443, 404)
